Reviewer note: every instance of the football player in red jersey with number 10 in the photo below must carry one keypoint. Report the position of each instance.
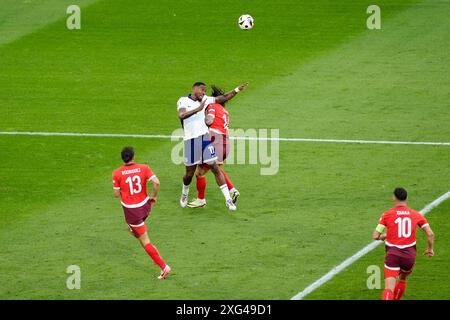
(400, 224)
(130, 184)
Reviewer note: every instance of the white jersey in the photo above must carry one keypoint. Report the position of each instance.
(195, 125)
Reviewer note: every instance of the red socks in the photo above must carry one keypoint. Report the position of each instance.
(387, 294)
(201, 184)
(225, 175)
(400, 288)
(154, 254)
(201, 187)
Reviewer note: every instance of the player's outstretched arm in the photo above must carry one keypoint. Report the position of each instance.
(183, 114)
(230, 95)
(430, 250)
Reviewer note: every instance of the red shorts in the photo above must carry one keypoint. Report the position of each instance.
(135, 218)
(397, 260)
(221, 143)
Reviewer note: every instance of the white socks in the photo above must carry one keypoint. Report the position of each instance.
(226, 192)
(223, 188)
(185, 190)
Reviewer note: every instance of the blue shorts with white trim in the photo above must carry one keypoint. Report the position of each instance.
(199, 150)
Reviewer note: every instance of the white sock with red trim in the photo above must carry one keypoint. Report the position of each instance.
(226, 192)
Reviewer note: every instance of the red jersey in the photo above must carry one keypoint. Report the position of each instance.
(131, 180)
(401, 223)
(221, 118)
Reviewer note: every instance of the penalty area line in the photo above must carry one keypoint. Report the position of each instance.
(165, 136)
(337, 269)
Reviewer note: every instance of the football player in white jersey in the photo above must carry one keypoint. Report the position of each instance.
(197, 145)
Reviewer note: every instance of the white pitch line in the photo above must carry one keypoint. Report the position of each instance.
(334, 271)
(76, 134)
(165, 136)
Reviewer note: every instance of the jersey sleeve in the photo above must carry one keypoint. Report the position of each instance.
(209, 100)
(150, 174)
(382, 220)
(382, 223)
(116, 181)
(180, 104)
(211, 111)
(422, 222)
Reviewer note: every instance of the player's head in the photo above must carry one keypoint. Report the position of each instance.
(127, 154)
(198, 90)
(400, 195)
(216, 91)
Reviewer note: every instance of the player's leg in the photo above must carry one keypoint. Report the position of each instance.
(187, 179)
(192, 157)
(135, 218)
(221, 153)
(227, 179)
(391, 272)
(400, 286)
(388, 293)
(222, 146)
(144, 240)
(406, 267)
(142, 235)
(200, 175)
(153, 252)
(209, 157)
(220, 179)
(233, 191)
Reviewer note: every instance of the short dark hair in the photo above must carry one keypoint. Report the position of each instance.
(197, 84)
(400, 194)
(127, 154)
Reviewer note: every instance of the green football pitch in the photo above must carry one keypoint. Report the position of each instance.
(315, 71)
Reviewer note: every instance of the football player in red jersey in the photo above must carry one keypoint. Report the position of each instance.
(130, 184)
(400, 239)
(217, 119)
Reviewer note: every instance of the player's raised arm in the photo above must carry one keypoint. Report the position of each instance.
(183, 114)
(230, 95)
(430, 250)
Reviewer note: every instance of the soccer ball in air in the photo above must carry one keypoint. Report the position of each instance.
(245, 22)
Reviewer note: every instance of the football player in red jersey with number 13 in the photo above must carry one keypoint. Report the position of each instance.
(130, 184)
(400, 239)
